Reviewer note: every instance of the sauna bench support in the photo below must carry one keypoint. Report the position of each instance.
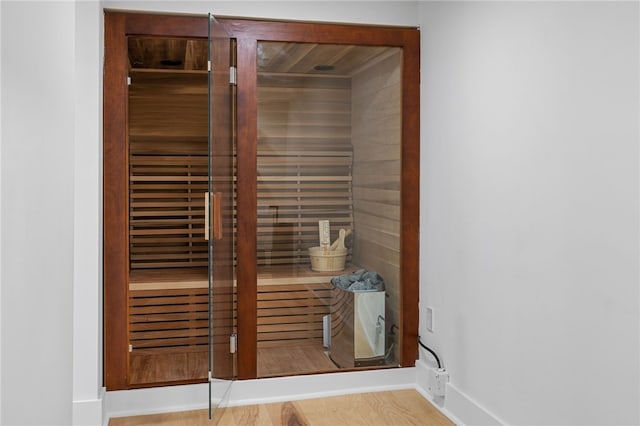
(167, 279)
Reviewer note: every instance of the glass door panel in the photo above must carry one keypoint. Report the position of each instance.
(167, 162)
(328, 207)
(219, 209)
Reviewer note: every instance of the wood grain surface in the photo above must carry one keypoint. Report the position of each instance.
(401, 407)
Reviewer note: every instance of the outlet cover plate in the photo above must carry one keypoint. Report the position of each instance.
(429, 318)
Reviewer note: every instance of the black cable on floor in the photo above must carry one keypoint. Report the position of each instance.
(430, 351)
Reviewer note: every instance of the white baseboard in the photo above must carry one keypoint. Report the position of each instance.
(260, 391)
(164, 399)
(459, 407)
(468, 410)
(88, 413)
(456, 405)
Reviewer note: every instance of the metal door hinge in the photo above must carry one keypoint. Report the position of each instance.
(233, 75)
(209, 66)
(128, 81)
(233, 343)
(130, 348)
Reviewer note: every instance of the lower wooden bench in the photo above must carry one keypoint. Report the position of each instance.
(168, 310)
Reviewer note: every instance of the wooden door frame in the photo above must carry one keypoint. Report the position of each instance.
(247, 32)
(117, 26)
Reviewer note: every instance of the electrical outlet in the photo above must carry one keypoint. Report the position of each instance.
(437, 381)
(429, 318)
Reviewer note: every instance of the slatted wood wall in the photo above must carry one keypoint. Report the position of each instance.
(304, 163)
(175, 320)
(376, 138)
(167, 170)
(170, 320)
(292, 313)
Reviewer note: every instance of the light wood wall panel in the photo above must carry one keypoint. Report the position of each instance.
(304, 163)
(376, 138)
(292, 313)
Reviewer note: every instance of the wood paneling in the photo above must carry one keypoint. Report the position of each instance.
(410, 197)
(292, 313)
(315, 130)
(115, 204)
(377, 142)
(304, 162)
(168, 319)
(168, 104)
(168, 169)
(154, 178)
(166, 210)
(248, 32)
(247, 208)
(160, 53)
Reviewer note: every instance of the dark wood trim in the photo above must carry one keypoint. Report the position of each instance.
(115, 177)
(248, 32)
(115, 207)
(306, 32)
(246, 249)
(167, 25)
(410, 198)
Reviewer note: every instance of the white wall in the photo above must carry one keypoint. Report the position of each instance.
(87, 201)
(0, 214)
(38, 107)
(393, 12)
(529, 201)
(50, 177)
(530, 214)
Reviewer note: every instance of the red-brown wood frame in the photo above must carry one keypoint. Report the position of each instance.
(247, 32)
(119, 25)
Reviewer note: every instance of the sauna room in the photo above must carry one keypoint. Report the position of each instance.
(325, 212)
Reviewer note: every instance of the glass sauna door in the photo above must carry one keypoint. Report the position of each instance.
(219, 218)
(180, 222)
(167, 183)
(328, 207)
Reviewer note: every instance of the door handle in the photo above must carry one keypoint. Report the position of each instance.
(206, 216)
(217, 216)
(216, 199)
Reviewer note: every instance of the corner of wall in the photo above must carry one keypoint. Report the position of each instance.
(0, 213)
(89, 412)
(458, 407)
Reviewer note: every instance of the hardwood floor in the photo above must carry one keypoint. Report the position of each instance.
(402, 407)
(167, 367)
(296, 359)
(273, 361)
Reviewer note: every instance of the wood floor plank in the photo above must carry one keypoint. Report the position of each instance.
(418, 407)
(287, 413)
(389, 405)
(166, 367)
(290, 360)
(338, 410)
(183, 418)
(401, 407)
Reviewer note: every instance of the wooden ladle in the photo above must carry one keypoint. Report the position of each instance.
(339, 243)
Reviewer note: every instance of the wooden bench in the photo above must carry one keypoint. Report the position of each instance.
(168, 309)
